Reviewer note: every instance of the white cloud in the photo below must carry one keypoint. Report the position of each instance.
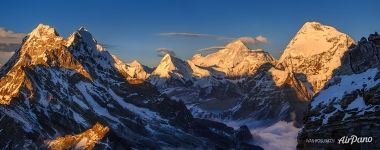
(211, 49)
(282, 135)
(4, 56)
(253, 40)
(163, 51)
(7, 36)
(246, 39)
(9, 42)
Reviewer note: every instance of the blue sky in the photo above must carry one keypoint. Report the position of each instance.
(131, 29)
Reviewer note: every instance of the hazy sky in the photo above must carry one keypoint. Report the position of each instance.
(136, 29)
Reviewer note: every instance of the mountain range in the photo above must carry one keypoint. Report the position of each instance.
(71, 93)
(61, 93)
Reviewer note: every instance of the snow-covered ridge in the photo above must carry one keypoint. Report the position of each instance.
(346, 84)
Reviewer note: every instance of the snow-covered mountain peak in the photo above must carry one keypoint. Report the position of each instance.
(315, 38)
(168, 62)
(137, 71)
(82, 28)
(43, 31)
(315, 51)
(236, 59)
(136, 63)
(171, 65)
(82, 35)
(237, 45)
(313, 26)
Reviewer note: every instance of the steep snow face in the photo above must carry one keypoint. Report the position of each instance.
(235, 60)
(315, 51)
(96, 60)
(87, 50)
(84, 47)
(197, 71)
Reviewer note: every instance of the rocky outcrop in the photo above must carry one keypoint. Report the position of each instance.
(85, 140)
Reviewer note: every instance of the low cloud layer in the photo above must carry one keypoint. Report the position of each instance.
(10, 37)
(4, 57)
(9, 42)
(163, 51)
(8, 47)
(282, 135)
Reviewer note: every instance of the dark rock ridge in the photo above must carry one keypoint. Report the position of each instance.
(54, 87)
(349, 104)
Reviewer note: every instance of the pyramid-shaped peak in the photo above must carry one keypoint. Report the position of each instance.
(236, 44)
(86, 35)
(170, 59)
(82, 35)
(167, 59)
(82, 29)
(167, 56)
(135, 63)
(43, 30)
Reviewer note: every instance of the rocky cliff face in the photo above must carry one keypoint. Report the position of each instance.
(349, 103)
(52, 88)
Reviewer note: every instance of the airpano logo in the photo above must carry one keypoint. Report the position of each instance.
(354, 139)
(343, 140)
